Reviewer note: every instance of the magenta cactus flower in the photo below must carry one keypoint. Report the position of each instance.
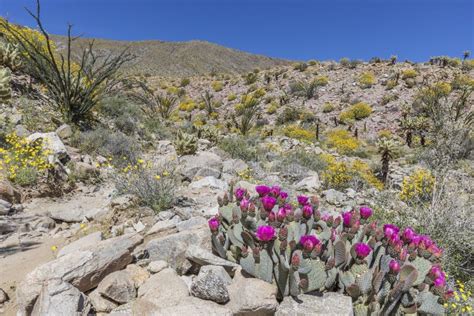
(425, 242)
(281, 214)
(346, 218)
(268, 202)
(275, 191)
(435, 251)
(309, 242)
(362, 250)
(262, 190)
(240, 193)
(244, 205)
(394, 266)
(283, 195)
(213, 224)
(302, 199)
(265, 233)
(436, 271)
(439, 281)
(365, 212)
(307, 211)
(408, 234)
(390, 229)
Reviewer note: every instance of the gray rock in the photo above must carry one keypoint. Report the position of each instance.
(5, 207)
(250, 296)
(83, 243)
(157, 266)
(164, 227)
(192, 223)
(204, 257)
(83, 269)
(7, 227)
(100, 303)
(3, 296)
(52, 142)
(172, 248)
(330, 304)
(334, 197)
(9, 193)
(309, 184)
(206, 172)
(137, 274)
(191, 164)
(188, 306)
(84, 171)
(64, 131)
(209, 286)
(61, 298)
(118, 286)
(209, 182)
(234, 166)
(219, 271)
(76, 215)
(163, 289)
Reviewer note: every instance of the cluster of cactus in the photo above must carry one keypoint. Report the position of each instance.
(185, 144)
(208, 132)
(10, 56)
(5, 88)
(386, 271)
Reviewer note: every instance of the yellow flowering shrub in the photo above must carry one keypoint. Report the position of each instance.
(367, 80)
(419, 185)
(341, 175)
(409, 73)
(321, 80)
(461, 81)
(272, 108)
(217, 86)
(296, 132)
(187, 105)
(22, 161)
(357, 111)
(259, 93)
(461, 303)
(342, 141)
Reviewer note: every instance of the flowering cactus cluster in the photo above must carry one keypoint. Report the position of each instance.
(384, 269)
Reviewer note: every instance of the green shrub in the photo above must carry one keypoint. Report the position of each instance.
(367, 80)
(288, 115)
(321, 81)
(184, 82)
(232, 97)
(328, 107)
(301, 67)
(357, 111)
(240, 147)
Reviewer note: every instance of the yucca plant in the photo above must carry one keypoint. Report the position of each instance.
(387, 149)
(386, 270)
(207, 99)
(5, 88)
(154, 104)
(246, 113)
(304, 89)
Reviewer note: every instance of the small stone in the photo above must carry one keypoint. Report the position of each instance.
(5, 207)
(64, 131)
(157, 266)
(101, 304)
(138, 274)
(309, 184)
(219, 271)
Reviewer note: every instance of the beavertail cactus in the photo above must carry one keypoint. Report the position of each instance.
(385, 270)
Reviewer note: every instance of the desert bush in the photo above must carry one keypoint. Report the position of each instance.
(328, 107)
(392, 83)
(272, 108)
(300, 66)
(152, 103)
(217, 86)
(71, 88)
(185, 82)
(462, 82)
(22, 161)
(116, 145)
(288, 115)
(155, 186)
(387, 98)
(366, 80)
(241, 147)
(357, 111)
(409, 74)
(376, 265)
(187, 105)
(342, 141)
(10, 56)
(418, 187)
(259, 93)
(250, 78)
(321, 81)
(304, 158)
(297, 132)
(211, 133)
(231, 97)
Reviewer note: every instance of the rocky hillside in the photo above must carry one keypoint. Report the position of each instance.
(180, 59)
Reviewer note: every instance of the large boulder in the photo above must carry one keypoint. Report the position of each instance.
(309, 184)
(252, 297)
(172, 248)
(77, 214)
(329, 304)
(118, 287)
(83, 269)
(205, 257)
(163, 289)
(192, 164)
(58, 297)
(81, 244)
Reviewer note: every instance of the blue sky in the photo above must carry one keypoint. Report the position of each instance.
(292, 29)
